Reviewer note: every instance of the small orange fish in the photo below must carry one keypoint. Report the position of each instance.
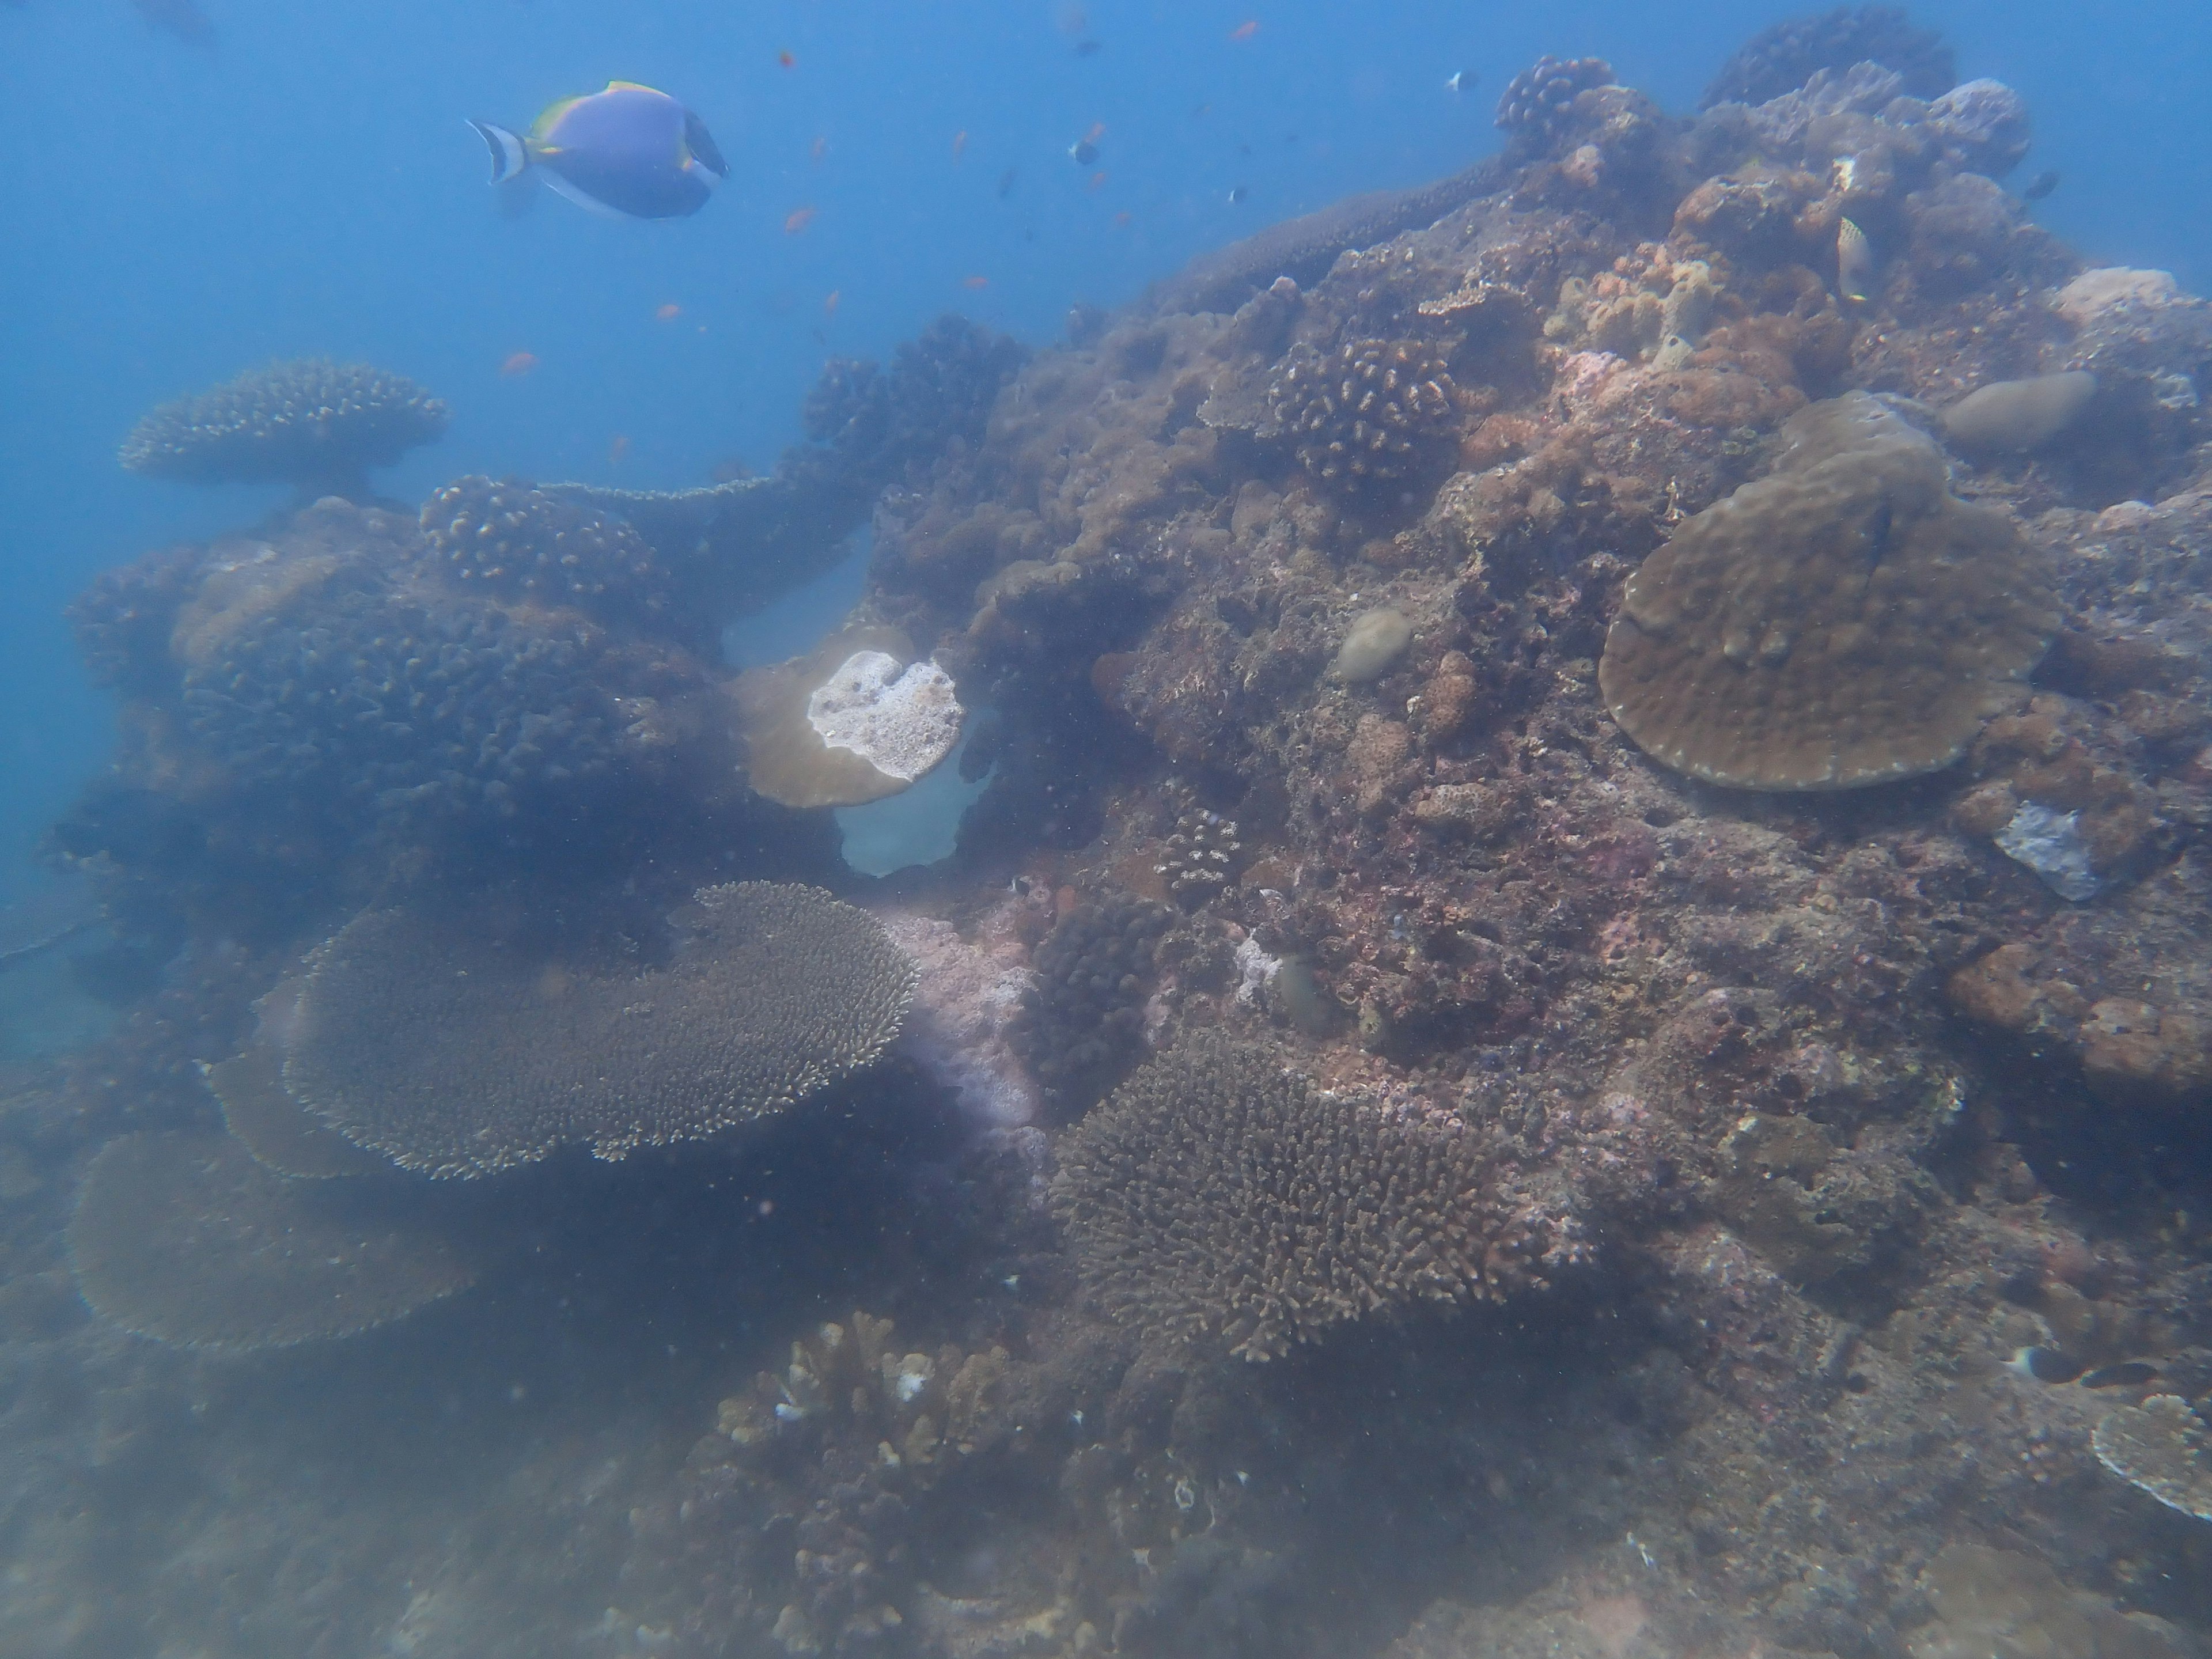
(618, 450)
(959, 143)
(830, 304)
(1098, 131)
(797, 220)
(668, 312)
(786, 60)
(1245, 30)
(975, 282)
(1122, 218)
(1095, 181)
(818, 149)
(519, 364)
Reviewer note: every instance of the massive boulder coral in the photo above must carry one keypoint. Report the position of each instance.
(452, 1053)
(1844, 621)
(312, 423)
(1215, 1199)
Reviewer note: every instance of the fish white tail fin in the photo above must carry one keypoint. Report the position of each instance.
(509, 155)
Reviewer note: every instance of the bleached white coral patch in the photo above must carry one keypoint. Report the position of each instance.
(1255, 969)
(956, 1027)
(900, 723)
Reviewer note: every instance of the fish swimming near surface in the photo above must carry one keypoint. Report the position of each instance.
(2040, 186)
(629, 151)
(1855, 263)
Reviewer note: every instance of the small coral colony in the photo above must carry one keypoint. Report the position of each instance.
(1616, 743)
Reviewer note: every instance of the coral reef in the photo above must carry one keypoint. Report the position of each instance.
(1213, 1199)
(453, 1052)
(1843, 622)
(188, 1238)
(1081, 1024)
(1784, 57)
(314, 424)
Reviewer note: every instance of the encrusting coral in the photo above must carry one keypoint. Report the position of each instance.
(432, 1041)
(314, 424)
(1844, 621)
(2162, 1448)
(1215, 1199)
(188, 1238)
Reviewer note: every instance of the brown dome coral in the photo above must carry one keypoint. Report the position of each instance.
(1844, 621)
(1215, 1197)
(425, 1039)
(312, 423)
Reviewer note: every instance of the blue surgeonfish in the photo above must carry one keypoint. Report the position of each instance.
(628, 150)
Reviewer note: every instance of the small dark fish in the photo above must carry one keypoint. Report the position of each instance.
(1088, 48)
(1006, 182)
(2040, 186)
(1083, 152)
(181, 18)
(1237, 193)
(2128, 1374)
(2045, 1365)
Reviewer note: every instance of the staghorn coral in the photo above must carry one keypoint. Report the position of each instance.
(1782, 58)
(314, 424)
(510, 537)
(1081, 1026)
(1370, 412)
(433, 1042)
(1214, 1199)
(188, 1238)
(1844, 621)
(1537, 102)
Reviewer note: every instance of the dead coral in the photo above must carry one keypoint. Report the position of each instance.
(1845, 621)
(1214, 1199)
(432, 1040)
(314, 424)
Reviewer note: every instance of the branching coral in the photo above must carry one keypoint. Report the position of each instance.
(1215, 1199)
(1537, 101)
(508, 537)
(1081, 1023)
(1845, 621)
(427, 1039)
(312, 423)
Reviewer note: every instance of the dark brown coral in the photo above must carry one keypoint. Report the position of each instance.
(1365, 413)
(1214, 1198)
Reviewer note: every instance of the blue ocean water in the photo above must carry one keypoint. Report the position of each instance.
(303, 184)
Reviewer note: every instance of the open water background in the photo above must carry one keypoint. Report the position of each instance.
(307, 186)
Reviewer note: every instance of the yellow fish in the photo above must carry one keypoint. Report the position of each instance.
(1855, 263)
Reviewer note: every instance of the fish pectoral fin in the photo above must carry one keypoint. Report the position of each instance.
(701, 145)
(510, 151)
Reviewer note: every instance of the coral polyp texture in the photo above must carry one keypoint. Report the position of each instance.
(507, 537)
(425, 1038)
(1365, 413)
(1537, 101)
(1216, 1198)
(1844, 621)
(1784, 57)
(188, 1238)
(312, 423)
